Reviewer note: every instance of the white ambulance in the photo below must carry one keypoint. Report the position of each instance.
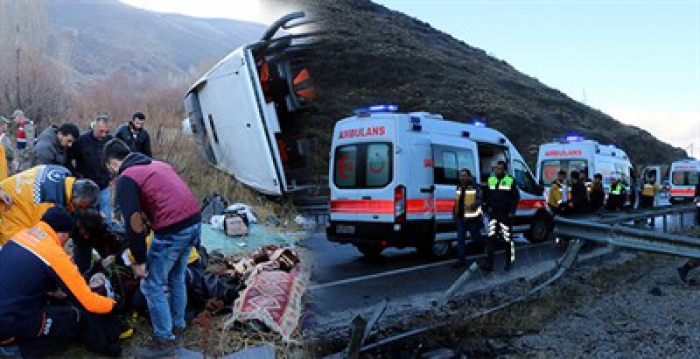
(393, 177)
(575, 153)
(685, 175)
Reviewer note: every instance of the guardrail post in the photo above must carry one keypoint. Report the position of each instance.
(665, 223)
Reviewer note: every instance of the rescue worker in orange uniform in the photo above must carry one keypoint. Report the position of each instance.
(467, 214)
(32, 192)
(33, 264)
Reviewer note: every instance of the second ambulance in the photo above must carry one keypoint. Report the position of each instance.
(574, 153)
(393, 178)
(685, 175)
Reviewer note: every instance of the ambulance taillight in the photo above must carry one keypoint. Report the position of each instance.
(400, 204)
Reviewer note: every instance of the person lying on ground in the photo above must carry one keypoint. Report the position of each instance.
(32, 264)
(32, 192)
(174, 214)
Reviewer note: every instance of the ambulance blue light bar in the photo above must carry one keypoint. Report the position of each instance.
(479, 123)
(376, 109)
(574, 138)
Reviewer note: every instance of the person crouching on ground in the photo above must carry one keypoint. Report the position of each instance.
(174, 215)
(467, 214)
(32, 264)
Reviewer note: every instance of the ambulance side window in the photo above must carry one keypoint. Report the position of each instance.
(523, 177)
(448, 161)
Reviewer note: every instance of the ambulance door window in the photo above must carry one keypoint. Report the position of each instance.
(448, 161)
(378, 165)
(523, 177)
(345, 167)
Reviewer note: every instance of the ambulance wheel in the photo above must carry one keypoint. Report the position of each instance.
(430, 249)
(540, 229)
(370, 250)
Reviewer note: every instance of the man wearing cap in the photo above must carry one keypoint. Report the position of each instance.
(7, 147)
(135, 135)
(33, 264)
(26, 196)
(25, 134)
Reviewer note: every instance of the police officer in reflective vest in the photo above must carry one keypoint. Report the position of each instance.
(467, 214)
(500, 203)
(617, 196)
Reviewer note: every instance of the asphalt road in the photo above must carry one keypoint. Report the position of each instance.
(343, 279)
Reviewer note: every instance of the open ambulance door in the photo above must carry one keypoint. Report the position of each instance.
(450, 156)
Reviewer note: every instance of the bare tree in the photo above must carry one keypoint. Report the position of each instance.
(28, 78)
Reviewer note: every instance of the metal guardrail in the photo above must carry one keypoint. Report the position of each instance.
(613, 231)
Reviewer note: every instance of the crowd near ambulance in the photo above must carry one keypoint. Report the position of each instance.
(419, 180)
(120, 208)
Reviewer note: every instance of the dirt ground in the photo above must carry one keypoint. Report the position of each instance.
(632, 306)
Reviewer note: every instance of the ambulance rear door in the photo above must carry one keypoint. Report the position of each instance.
(450, 155)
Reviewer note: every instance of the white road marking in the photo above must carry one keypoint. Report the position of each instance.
(402, 270)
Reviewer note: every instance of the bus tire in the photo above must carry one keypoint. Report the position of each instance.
(540, 229)
(370, 250)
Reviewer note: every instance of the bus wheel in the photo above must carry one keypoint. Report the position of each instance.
(370, 250)
(539, 229)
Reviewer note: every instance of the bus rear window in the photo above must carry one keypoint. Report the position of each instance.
(363, 165)
(550, 169)
(685, 178)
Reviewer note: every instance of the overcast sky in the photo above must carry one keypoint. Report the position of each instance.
(637, 60)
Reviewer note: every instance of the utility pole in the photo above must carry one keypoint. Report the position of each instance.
(17, 70)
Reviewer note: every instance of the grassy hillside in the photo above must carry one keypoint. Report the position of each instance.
(375, 55)
(94, 38)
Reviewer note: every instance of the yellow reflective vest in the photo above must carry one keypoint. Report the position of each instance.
(33, 192)
(470, 197)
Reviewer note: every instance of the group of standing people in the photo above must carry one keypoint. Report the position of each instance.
(69, 180)
(579, 195)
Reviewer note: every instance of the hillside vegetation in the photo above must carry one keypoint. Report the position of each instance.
(374, 55)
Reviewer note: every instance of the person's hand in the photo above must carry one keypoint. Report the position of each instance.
(58, 294)
(108, 261)
(140, 271)
(6, 199)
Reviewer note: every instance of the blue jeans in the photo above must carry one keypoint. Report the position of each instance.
(107, 209)
(473, 227)
(167, 262)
